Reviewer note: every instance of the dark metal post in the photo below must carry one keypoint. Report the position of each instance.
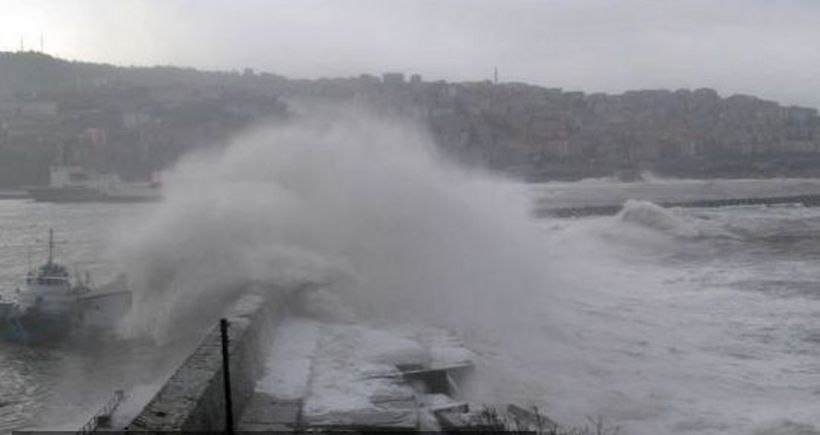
(226, 376)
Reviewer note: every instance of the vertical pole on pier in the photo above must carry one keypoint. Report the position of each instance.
(226, 376)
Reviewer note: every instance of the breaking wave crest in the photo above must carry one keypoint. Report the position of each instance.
(557, 313)
(361, 203)
(673, 221)
(653, 216)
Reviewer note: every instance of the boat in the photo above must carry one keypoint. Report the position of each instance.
(51, 306)
(77, 184)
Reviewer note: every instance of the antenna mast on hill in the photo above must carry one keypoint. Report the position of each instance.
(495, 75)
(22, 45)
(42, 44)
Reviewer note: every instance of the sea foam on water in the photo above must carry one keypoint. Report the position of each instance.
(575, 316)
(364, 204)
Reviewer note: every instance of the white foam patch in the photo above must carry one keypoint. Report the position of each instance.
(288, 364)
(653, 216)
(351, 369)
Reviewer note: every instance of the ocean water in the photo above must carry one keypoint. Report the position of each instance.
(659, 321)
(60, 388)
(684, 321)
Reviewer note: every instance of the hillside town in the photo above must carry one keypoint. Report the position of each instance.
(135, 121)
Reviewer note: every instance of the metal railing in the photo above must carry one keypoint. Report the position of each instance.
(105, 412)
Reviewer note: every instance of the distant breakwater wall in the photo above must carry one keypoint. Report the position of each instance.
(612, 209)
(14, 194)
(193, 397)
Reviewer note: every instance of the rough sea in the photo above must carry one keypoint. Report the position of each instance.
(61, 387)
(681, 321)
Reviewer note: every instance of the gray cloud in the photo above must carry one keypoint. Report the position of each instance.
(736, 46)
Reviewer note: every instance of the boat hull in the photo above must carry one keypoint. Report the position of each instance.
(36, 328)
(50, 194)
(93, 317)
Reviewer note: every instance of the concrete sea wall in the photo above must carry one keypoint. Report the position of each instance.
(193, 397)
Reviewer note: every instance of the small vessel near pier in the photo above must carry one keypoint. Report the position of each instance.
(51, 306)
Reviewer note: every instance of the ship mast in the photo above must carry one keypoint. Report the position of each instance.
(50, 246)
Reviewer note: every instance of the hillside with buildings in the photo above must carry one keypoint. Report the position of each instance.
(137, 120)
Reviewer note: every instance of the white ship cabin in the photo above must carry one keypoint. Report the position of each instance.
(50, 290)
(62, 177)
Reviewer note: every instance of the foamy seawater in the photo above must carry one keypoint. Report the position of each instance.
(660, 321)
(41, 386)
(682, 321)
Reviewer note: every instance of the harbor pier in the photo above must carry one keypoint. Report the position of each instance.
(193, 398)
(269, 339)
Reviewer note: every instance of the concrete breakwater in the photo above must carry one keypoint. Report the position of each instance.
(812, 200)
(292, 373)
(193, 397)
(14, 194)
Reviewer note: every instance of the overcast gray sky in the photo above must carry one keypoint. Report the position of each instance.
(762, 47)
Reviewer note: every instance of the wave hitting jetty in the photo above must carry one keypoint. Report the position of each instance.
(812, 200)
(291, 371)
